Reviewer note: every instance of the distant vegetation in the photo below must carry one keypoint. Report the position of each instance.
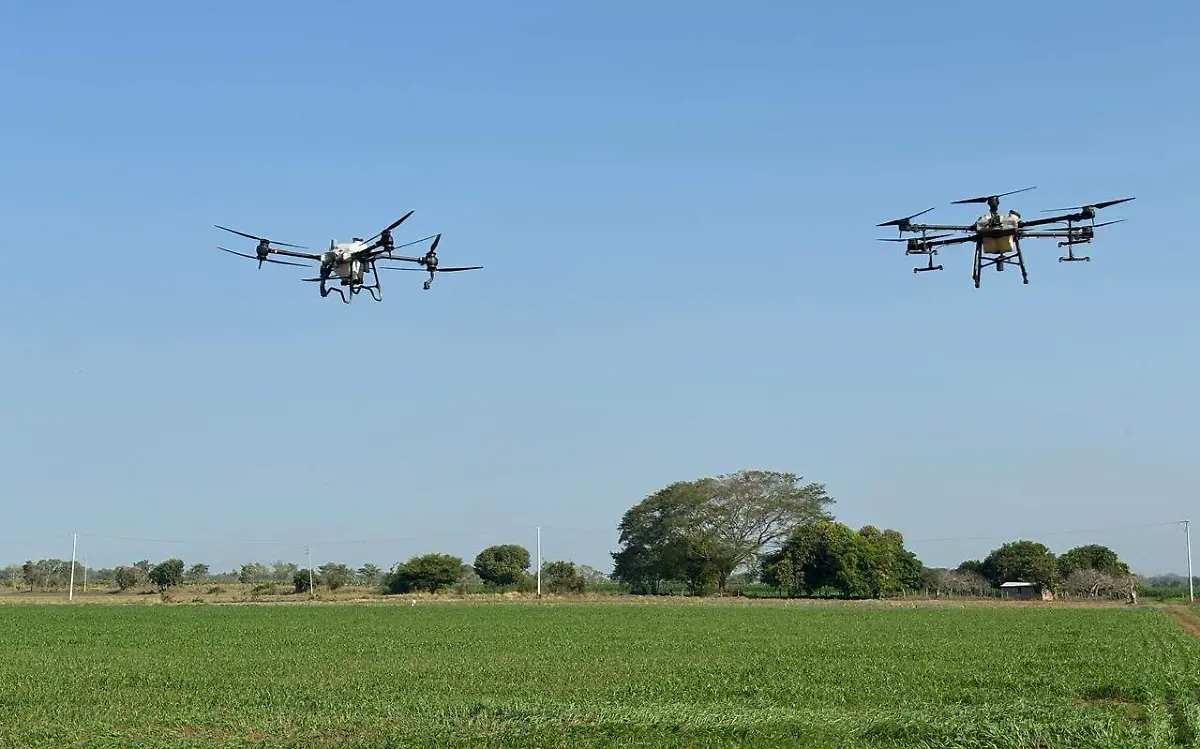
(751, 533)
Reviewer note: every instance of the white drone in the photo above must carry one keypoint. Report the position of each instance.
(349, 262)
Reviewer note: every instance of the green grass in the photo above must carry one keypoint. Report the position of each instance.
(591, 675)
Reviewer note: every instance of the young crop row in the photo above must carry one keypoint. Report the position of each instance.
(587, 675)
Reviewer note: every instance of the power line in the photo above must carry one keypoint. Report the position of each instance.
(279, 542)
(1038, 534)
(566, 529)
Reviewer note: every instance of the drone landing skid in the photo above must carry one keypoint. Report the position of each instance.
(929, 265)
(999, 261)
(376, 288)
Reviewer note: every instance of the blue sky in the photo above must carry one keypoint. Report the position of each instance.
(675, 207)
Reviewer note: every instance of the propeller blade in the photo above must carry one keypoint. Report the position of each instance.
(915, 239)
(260, 239)
(265, 259)
(1096, 206)
(1108, 223)
(986, 198)
(906, 219)
(435, 270)
(416, 241)
(436, 239)
(393, 225)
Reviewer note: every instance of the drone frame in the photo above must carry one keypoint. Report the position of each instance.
(378, 247)
(985, 258)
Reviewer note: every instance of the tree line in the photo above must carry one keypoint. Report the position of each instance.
(753, 532)
(774, 530)
(497, 568)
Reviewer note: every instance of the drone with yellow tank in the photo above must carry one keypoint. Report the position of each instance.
(997, 237)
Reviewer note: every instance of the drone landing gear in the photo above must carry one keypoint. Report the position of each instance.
(999, 261)
(929, 265)
(428, 283)
(1084, 238)
(325, 292)
(376, 289)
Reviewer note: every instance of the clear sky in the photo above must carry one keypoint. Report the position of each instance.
(675, 204)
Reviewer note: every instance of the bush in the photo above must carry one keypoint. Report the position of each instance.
(428, 572)
(501, 565)
(300, 580)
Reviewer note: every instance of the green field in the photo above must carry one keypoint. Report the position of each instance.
(588, 675)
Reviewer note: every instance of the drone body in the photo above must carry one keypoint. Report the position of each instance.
(997, 237)
(348, 263)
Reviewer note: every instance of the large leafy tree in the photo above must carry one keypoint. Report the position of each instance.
(167, 574)
(700, 531)
(1025, 561)
(429, 572)
(867, 563)
(502, 564)
(1094, 557)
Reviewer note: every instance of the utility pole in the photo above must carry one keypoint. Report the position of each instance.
(71, 588)
(1191, 587)
(539, 561)
(308, 551)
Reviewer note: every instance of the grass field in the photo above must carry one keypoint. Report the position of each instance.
(590, 675)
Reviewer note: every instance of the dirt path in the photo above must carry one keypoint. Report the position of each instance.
(1185, 618)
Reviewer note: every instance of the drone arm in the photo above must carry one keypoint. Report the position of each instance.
(1059, 233)
(1054, 219)
(937, 227)
(305, 255)
(946, 242)
(385, 256)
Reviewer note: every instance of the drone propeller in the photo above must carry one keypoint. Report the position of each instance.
(1093, 206)
(986, 198)
(906, 219)
(435, 270)
(922, 239)
(386, 234)
(262, 260)
(260, 239)
(430, 254)
(416, 241)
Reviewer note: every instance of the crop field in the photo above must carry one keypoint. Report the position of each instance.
(592, 675)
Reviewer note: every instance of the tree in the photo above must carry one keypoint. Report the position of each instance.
(503, 564)
(368, 574)
(198, 572)
(282, 571)
(1092, 557)
(126, 577)
(1086, 581)
(33, 575)
(429, 572)
(959, 582)
(335, 575)
(167, 574)
(253, 572)
(561, 577)
(758, 508)
(301, 579)
(1025, 561)
(701, 531)
(867, 563)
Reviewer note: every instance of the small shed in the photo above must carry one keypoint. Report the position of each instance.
(1025, 591)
